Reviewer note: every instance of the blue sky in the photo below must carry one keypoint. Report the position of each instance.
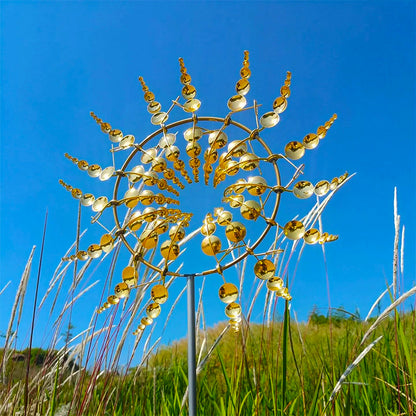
(60, 60)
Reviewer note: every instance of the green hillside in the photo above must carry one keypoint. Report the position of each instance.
(260, 370)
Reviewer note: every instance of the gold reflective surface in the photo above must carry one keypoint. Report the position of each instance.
(311, 236)
(249, 161)
(228, 293)
(310, 141)
(269, 119)
(122, 290)
(217, 139)
(208, 228)
(235, 231)
(169, 250)
(159, 294)
(294, 230)
(94, 251)
(233, 310)
(107, 243)
(264, 269)
(129, 276)
(224, 218)
(149, 239)
(211, 245)
(257, 185)
(153, 310)
(177, 233)
(303, 189)
(322, 188)
(82, 255)
(192, 134)
(113, 300)
(191, 105)
(274, 284)
(242, 87)
(279, 105)
(294, 150)
(250, 210)
(236, 102)
(146, 320)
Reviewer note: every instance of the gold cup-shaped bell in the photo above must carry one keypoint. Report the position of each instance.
(149, 239)
(250, 210)
(211, 245)
(249, 161)
(82, 255)
(224, 218)
(192, 134)
(193, 149)
(236, 102)
(208, 228)
(310, 141)
(100, 203)
(135, 221)
(159, 226)
(228, 293)
(122, 290)
(149, 214)
(113, 300)
(294, 150)
(153, 310)
(237, 148)
(217, 139)
(235, 201)
(264, 269)
(303, 189)
(235, 231)
(322, 188)
(269, 119)
(107, 243)
(146, 320)
(169, 250)
(132, 197)
(294, 230)
(233, 310)
(177, 233)
(130, 276)
(159, 294)
(146, 197)
(312, 236)
(279, 105)
(257, 185)
(94, 251)
(275, 284)
(167, 140)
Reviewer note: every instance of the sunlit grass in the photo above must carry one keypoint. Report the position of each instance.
(335, 364)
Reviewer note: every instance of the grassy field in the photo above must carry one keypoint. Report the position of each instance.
(335, 364)
(283, 369)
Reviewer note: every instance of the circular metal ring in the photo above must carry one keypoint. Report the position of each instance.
(163, 129)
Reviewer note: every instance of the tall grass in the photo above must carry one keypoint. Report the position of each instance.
(331, 365)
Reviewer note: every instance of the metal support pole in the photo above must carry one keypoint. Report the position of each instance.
(191, 346)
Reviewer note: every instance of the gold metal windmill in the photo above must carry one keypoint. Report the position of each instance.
(149, 184)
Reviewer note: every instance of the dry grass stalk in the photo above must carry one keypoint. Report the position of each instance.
(5, 287)
(351, 367)
(396, 244)
(387, 311)
(376, 303)
(18, 304)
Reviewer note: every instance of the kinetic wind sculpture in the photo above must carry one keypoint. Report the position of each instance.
(155, 172)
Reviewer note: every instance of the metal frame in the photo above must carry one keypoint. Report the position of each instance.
(191, 333)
